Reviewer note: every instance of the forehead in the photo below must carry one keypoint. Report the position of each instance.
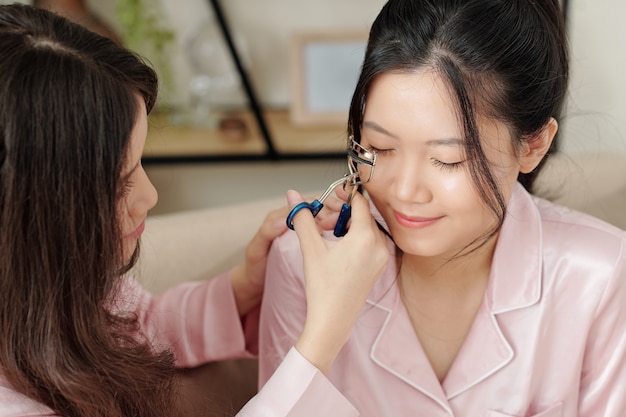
(420, 104)
(420, 84)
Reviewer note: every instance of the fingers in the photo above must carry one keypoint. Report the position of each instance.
(327, 218)
(293, 198)
(363, 228)
(303, 223)
(273, 226)
(360, 210)
(341, 193)
(324, 217)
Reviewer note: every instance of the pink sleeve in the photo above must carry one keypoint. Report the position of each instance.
(14, 404)
(283, 310)
(298, 389)
(603, 379)
(197, 320)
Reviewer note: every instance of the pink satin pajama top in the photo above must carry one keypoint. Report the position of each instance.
(200, 323)
(548, 341)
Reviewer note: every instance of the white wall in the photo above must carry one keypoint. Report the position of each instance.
(266, 25)
(597, 106)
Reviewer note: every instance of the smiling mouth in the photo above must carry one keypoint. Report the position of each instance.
(415, 222)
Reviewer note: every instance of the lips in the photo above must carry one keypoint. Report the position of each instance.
(137, 232)
(415, 222)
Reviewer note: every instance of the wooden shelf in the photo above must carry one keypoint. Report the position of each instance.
(166, 140)
(270, 133)
(290, 139)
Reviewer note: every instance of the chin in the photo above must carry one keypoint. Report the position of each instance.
(417, 247)
(130, 250)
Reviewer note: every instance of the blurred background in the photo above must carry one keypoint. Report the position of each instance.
(183, 41)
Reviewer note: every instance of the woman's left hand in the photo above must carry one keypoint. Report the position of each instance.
(248, 279)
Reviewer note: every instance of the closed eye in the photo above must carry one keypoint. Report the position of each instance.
(126, 188)
(447, 166)
(379, 151)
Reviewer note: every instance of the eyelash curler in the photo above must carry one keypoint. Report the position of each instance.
(358, 157)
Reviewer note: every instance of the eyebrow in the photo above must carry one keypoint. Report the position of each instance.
(432, 142)
(445, 142)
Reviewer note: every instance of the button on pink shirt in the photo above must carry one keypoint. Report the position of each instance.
(549, 339)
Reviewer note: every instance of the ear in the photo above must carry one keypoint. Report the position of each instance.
(536, 147)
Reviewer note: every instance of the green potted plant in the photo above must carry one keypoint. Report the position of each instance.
(143, 30)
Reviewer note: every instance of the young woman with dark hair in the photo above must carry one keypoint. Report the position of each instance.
(78, 336)
(494, 302)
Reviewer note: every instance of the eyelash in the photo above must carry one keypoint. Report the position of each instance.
(443, 165)
(126, 188)
(377, 151)
(447, 166)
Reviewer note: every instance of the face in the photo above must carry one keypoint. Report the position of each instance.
(139, 195)
(421, 183)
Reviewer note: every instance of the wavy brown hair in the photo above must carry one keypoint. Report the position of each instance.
(67, 107)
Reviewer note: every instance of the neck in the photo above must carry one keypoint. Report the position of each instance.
(459, 271)
(441, 299)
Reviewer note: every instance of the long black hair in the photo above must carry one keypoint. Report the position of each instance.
(505, 59)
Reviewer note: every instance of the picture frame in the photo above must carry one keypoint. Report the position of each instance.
(324, 69)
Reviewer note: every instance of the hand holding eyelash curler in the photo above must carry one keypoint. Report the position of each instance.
(341, 227)
(357, 155)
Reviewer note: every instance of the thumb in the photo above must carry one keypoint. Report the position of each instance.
(303, 222)
(360, 211)
(294, 197)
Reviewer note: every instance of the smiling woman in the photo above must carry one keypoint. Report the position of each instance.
(412, 124)
(460, 102)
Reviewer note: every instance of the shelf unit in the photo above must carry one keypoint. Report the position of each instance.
(168, 142)
(270, 134)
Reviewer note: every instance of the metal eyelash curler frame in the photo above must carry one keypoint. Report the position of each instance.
(358, 156)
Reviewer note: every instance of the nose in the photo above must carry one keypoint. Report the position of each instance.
(149, 195)
(410, 184)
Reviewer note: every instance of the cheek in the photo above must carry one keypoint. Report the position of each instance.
(129, 205)
(506, 177)
(375, 187)
(457, 192)
(123, 213)
(456, 182)
(504, 164)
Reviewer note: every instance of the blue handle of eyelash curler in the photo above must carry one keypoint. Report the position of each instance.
(315, 206)
(341, 227)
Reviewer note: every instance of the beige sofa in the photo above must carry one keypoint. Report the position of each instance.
(201, 243)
